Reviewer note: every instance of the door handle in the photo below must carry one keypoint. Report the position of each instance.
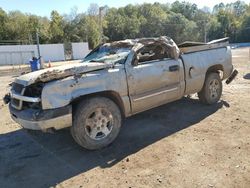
(174, 68)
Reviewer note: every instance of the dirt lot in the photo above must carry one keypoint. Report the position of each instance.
(182, 144)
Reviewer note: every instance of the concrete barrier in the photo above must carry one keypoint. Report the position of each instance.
(21, 54)
(80, 50)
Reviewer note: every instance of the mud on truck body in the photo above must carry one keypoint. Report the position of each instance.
(117, 80)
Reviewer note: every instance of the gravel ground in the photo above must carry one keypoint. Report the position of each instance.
(181, 144)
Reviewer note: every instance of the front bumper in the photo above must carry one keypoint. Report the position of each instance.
(43, 119)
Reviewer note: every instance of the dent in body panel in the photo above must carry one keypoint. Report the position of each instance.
(152, 83)
(60, 72)
(61, 92)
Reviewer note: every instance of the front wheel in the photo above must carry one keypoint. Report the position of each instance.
(96, 123)
(212, 89)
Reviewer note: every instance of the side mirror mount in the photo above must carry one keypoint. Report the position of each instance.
(135, 61)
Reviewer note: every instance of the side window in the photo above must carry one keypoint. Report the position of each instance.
(151, 53)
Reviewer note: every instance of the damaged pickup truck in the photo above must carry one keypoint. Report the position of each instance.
(117, 80)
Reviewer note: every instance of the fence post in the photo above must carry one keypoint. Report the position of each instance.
(37, 43)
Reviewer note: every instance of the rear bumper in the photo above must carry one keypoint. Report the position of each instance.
(43, 119)
(232, 77)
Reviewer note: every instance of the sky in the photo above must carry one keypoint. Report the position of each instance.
(44, 7)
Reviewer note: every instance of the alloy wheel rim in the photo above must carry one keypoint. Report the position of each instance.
(99, 124)
(214, 87)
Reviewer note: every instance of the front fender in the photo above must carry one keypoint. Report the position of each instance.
(60, 93)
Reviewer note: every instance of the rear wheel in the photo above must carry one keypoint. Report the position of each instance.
(96, 123)
(212, 89)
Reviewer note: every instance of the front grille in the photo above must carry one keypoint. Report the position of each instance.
(18, 89)
(15, 102)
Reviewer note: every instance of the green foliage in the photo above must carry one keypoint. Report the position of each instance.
(244, 35)
(180, 20)
(56, 27)
(215, 29)
(186, 9)
(180, 28)
(93, 33)
(3, 21)
(153, 19)
(17, 26)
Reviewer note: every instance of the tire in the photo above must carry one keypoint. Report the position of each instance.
(212, 89)
(96, 123)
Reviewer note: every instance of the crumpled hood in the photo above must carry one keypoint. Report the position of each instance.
(60, 72)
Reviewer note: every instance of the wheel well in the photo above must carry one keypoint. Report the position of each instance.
(216, 69)
(112, 95)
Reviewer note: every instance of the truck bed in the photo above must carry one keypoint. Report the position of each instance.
(190, 47)
(198, 60)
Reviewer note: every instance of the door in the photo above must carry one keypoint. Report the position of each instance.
(154, 82)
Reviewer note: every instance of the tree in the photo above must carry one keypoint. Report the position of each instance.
(3, 20)
(218, 7)
(185, 8)
(56, 27)
(228, 24)
(180, 20)
(179, 28)
(17, 27)
(215, 30)
(122, 23)
(93, 32)
(243, 34)
(152, 23)
(44, 33)
(237, 8)
(115, 24)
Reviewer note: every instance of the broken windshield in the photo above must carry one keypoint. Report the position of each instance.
(107, 54)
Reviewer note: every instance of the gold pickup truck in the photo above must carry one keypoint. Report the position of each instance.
(117, 80)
